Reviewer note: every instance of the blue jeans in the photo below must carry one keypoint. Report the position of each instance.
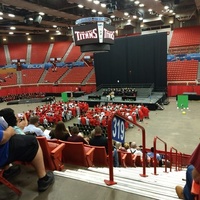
(188, 185)
(115, 158)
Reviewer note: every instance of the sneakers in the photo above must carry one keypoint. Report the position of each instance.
(12, 171)
(179, 192)
(45, 182)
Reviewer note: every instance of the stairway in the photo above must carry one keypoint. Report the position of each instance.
(160, 186)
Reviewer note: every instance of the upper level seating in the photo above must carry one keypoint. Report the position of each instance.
(39, 52)
(77, 75)
(59, 49)
(31, 75)
(2, 56)
(185, 70)
(74, 54)
(10, 79)
(54, 76)
(17, 51)
(92, 79)
(187, 36)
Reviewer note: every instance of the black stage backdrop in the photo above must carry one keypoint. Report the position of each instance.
(136, 59)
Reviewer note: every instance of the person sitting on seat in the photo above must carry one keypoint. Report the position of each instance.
(75, 137)
(60, 132)
(33, 127)
(25, 148)
(99, 140)
(158, 157)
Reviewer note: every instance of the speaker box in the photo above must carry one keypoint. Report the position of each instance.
(38, 19)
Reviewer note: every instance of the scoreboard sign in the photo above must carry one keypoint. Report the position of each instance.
(95, 33)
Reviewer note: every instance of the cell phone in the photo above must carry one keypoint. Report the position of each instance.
(20, 115)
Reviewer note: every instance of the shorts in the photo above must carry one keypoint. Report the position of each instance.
(22, 148)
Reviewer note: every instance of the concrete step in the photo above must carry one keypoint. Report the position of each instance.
(160, 186)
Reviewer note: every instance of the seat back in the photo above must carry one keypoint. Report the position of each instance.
(76, 153)
(52, 154)
(130, 159)
(122, 158)
(100, 156)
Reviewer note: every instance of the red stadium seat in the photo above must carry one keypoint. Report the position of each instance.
(52, 153)
(8, 184)
(77, 153)
(100, 157)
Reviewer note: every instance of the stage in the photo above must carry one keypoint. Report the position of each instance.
(155, 100)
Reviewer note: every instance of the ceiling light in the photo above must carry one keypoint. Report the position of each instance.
(141, 5)
(103, 5)
(171, 22)
(80, 6)
(52, 38)
(170, 11)
(11, 15)
(136, 2)
(29, 39)
(150, 10)
(30, 18)
(96, 2)
(166, 7)
(12, 28)
(89, 0)
(1, 13)
(126, 14)
(142, 25)
(54, 26)
(4, 39)
(11, 33)
(140, 18)
(47, 30)
(112, 16)
(100, 13)
(27, 33)
(134, 16)
(94, 11)
(1, 18)
(41, 13)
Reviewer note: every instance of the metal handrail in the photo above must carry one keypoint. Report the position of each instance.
(176, 160)
(155, 159)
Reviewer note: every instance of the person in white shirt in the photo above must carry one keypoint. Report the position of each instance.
(33, 127)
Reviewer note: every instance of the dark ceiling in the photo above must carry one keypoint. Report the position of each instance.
(63, 14)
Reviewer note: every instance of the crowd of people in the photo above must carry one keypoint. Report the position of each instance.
(12, 97)
(100, 115)
(120, 91)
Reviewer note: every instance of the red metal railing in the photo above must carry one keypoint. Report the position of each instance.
(155, 159)
(176, 159)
